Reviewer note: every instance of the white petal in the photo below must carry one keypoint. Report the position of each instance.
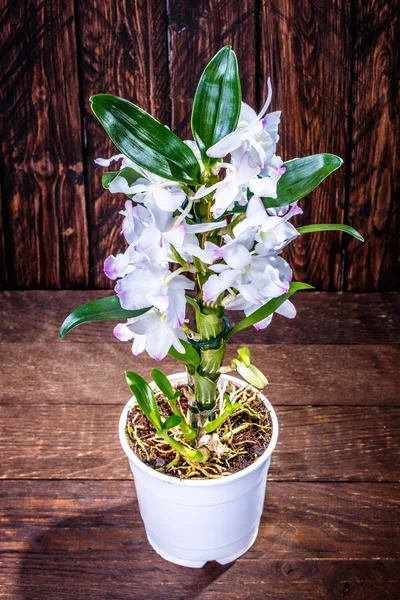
(203, 227)
(256, 213)
(160, 301)
(287, 309)
(237, 256)
(247, 114)
(105, 162)
(216, 284)
(264, 187)
(175, 236)
(177, 308)
(146, 323)
(168, 200)
(268, 102)
(159, 342)
(139, 344)
(246, 171)
(204, 190)
(123, 333)
(229, 143)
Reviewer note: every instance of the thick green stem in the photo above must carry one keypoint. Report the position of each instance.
(209, 325)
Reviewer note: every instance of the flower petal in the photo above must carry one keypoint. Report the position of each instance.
(105, 162)
(123, 333)
(230, 142)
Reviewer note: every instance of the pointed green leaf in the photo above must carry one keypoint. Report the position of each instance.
(144, 140)
(301, 177)
(190, 357)
(217, 103)
(330, 227)
(127, 172)
(105, 309)
(163, 383)
(267, 309)
(144, 396)
(172, 421)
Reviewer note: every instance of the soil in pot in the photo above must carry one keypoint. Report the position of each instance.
(243, 438)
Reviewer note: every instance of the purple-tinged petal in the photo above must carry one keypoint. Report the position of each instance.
(123, 333)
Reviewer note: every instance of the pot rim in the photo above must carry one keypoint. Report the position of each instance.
(200, 482)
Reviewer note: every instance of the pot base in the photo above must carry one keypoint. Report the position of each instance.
(236, 550)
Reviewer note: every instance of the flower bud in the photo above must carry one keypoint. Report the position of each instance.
(244, 355)
(252, 375)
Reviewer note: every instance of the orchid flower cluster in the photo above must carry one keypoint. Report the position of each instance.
(205, 222)
(159, 227)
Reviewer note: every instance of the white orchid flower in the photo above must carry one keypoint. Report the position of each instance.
(273, 232)
(152, 285)
(256, 133)
(265, 184)
(152, 333)
(264, 277)
(231, 189)
(166, 194)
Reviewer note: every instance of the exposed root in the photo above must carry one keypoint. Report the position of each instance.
(245, 434)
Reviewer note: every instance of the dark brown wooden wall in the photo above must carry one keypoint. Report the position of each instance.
(335, 76)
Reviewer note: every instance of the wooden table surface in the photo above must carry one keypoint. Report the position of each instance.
(70, 525)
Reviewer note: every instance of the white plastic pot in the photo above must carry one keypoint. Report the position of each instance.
(192, 522)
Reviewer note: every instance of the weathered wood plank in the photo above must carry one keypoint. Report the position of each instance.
(197, 31)
(323, 318)
(374, 205)
(305, 48)
(85, 373)
(124, 51)
(43, 516)
(305, 580)
(3, 262)
(42, 156)
(125, 574)
(315, 444)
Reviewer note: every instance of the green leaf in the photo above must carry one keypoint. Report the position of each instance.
(105, 309)
(127, 172)
(301, 177)
(217, 103)
(144, 140)
(172, 421)
(163, 383)
(144, 396)
(330, 227)
(267, 309)
(190, 357)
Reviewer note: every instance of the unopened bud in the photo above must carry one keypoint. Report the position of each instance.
(252, 375)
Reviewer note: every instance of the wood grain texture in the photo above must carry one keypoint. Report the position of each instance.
(319, 374)
(197, 31)
(305, 49)
(323, 318)
(123, 51)
(101, 575)
(44, 516)
(374, 206)
(3, 262)
(315, 443)
(41, 149)
(53, 530)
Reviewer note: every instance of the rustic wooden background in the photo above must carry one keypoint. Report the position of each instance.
(333, 66)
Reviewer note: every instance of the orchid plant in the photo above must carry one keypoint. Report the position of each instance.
(205, 223)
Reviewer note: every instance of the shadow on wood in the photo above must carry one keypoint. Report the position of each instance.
(130, 569)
